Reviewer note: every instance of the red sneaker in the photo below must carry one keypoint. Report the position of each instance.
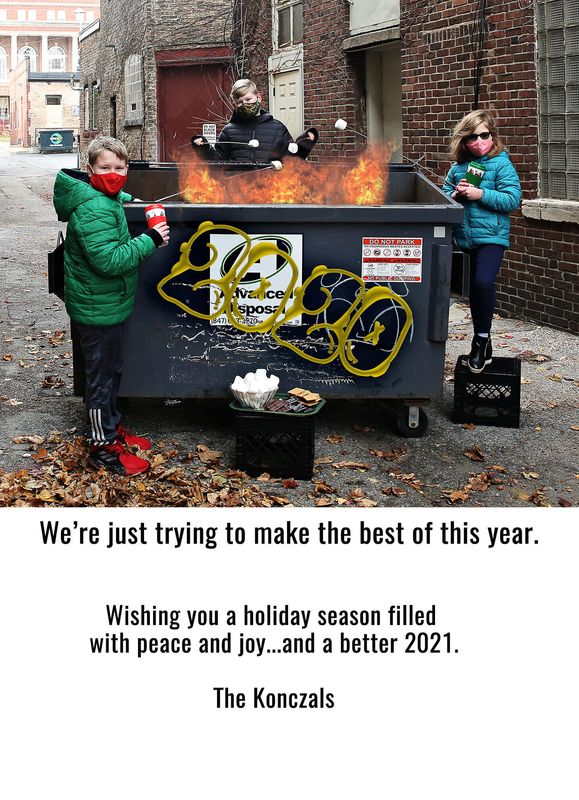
(114, 458)
(130, 440)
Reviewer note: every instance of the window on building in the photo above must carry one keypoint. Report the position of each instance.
(289, 22)
(94, 106)
(31, 14)
(53, 99)
(134, 90)
(4, 109)
(3, 64)
(3, 16)
(90, 16)
(61, 16)
(30, 52)
(86, 109)
(51, 15)
(21, 15)
(56, 59)
(558, 46)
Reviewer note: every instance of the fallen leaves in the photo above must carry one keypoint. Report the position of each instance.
(478, 482)
(394, 491)
(207, 456)
(390, 455)
(335, 438)
(63, 477)
(474, 453)
(350, 465)
(52, 382)
(29, 439)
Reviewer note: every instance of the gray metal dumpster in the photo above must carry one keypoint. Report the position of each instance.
(373, 323)
(55, 140)
(387, 266)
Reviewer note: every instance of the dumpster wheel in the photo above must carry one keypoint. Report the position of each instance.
(411, 422)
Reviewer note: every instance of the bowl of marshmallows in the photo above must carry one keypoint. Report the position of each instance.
(255, 389)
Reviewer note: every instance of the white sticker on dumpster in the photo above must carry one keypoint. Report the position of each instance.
(264, 285)
(385, 260)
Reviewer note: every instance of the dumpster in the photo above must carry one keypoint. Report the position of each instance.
(347, 300)
(55, 140)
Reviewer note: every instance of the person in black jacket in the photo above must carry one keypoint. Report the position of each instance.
(253, 136)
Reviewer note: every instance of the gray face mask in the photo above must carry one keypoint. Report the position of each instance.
(248, 110)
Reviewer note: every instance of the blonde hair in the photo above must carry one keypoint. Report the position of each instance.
(241, 87)
(106, 143)
(467, 126)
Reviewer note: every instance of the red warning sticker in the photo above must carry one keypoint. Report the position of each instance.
(385, 260)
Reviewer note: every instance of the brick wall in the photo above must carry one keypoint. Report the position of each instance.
(538, 280)
(333, 81)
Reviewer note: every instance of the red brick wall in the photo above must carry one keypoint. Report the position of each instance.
(333, 81)
(538, 280)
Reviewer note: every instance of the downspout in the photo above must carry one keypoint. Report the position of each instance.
(479, 53)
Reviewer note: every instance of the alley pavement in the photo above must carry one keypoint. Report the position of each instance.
(360, 458)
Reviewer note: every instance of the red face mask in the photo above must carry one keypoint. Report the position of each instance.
(109, 183)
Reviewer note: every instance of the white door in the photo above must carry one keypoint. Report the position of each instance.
(288, 100)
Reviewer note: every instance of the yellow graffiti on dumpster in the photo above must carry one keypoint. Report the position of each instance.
(346, 331)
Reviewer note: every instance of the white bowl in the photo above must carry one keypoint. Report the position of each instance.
(253, 399)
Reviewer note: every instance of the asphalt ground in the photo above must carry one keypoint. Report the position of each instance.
(360, 458)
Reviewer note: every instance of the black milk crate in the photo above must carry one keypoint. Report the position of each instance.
(491, 397)
(282, 444)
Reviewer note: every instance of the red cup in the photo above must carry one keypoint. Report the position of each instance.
(155, 214)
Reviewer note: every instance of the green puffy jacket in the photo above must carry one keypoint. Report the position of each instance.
(100, 258)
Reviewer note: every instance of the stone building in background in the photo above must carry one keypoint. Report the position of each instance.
(39, 48)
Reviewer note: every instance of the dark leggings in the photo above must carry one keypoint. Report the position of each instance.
(485, 262)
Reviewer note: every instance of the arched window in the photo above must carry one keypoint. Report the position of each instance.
(3, 64)
(29, 51)
(56, 59)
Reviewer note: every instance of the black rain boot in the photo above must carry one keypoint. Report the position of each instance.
(480, 351)
(489, 352)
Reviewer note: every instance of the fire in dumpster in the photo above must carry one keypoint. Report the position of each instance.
(299, 182)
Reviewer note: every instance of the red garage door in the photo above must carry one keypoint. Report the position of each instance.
(188, 95)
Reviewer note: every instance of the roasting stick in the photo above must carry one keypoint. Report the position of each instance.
(253, 143)
(341, 125)
(168, 197)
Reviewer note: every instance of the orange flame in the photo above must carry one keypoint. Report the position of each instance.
(299, 182)
(365, 185)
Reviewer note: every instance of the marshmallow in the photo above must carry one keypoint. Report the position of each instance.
(340, 124)
(292, 147)
(277, 165)
(253, 143)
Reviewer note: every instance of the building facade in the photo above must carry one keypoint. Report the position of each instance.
(46, 36)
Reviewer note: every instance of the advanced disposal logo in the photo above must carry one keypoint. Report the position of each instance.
(261, 290)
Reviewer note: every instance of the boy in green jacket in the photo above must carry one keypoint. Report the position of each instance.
(100, 282)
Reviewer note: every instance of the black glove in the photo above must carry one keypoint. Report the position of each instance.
(205, 142)
(305, 144)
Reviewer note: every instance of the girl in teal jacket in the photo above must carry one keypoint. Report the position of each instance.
(485, 181)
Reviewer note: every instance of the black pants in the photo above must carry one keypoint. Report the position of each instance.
(485, 262)
(103, 364)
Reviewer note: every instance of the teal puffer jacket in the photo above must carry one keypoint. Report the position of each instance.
(486, 221)
(100, 258)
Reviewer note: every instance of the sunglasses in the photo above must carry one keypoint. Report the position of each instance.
(474, 136)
